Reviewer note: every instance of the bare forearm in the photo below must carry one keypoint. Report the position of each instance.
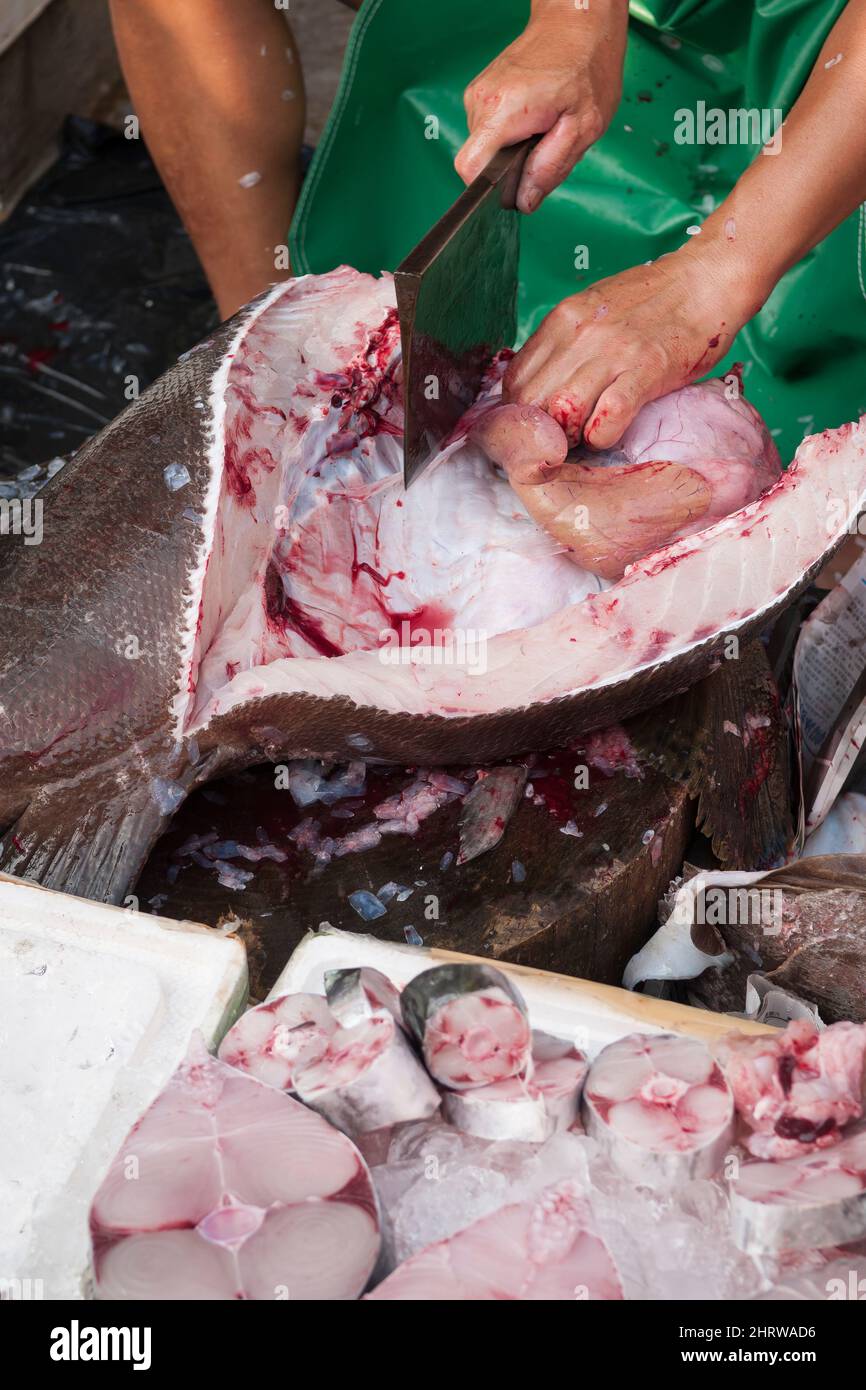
(787, 202)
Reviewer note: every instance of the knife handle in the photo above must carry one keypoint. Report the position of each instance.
(505, 168)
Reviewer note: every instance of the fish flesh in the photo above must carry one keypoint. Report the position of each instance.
(362, 1076)
(796, 1089)
(368, 1079)
(800, 1203)
(660, 1107)
(472, 1024)
(537, 1250)
(689, 458)
(272, 1041)
(227, 1189)
(524, 1109)
(290, 600)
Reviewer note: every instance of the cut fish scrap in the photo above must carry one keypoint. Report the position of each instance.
(538, 1250)
(488, 808)
(800, 1203)
(661, 1108)
(228, 1189)
(472, 1025)
(529, 1110)
(796, 1090)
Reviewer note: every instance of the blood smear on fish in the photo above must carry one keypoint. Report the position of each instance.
(796, 1089)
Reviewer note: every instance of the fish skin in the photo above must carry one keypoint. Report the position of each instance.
(95, 745)
(432, 988)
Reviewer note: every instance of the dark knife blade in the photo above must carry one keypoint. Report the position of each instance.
(457, 301)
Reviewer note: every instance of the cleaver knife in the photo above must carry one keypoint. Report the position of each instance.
(457, 302)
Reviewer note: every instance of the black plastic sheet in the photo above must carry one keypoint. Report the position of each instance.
(99, 284)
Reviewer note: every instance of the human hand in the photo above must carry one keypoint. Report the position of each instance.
(561, 79)
(601, 354)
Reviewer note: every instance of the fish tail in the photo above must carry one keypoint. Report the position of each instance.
(88, 836)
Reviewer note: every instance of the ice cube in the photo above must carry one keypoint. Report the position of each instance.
(167, 794)
(176, 475)
(367, 905)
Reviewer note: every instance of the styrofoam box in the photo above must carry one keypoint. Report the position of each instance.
(589, 1014)
(97, 1007)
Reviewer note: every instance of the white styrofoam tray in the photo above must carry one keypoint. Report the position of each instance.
(591, 1015)
(97, 1006)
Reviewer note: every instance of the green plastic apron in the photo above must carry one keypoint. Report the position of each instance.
(383, 173)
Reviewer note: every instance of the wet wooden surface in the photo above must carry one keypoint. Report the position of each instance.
(580, 904)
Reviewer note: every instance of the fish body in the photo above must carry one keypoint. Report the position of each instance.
(231, 573)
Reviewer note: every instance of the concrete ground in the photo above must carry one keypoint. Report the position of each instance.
(321, 28)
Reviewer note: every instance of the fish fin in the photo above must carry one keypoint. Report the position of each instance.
(88, 836)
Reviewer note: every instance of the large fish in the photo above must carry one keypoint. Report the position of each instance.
(231, 573)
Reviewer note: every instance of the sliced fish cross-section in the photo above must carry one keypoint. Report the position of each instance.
(525, 1109)
(273, 1040)
(362, 1078)
(368, 1079)
(661, 1107)
(227, 1189)
(798, 1203)
(471, 1023)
